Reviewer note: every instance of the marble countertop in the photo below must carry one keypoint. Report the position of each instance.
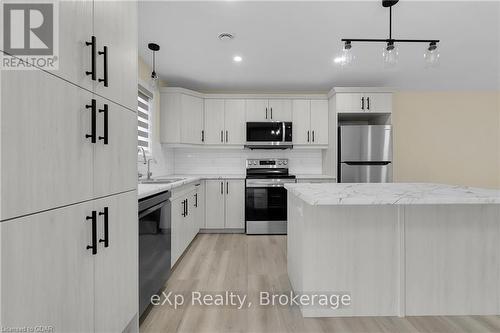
(146, 190)
(391, 194)
(313, 176)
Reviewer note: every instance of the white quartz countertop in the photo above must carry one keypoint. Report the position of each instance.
(146, 190)
(391, 194)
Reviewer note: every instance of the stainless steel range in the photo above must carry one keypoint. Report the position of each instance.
(265, 196)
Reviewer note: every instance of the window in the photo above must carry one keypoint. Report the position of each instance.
(144, 119)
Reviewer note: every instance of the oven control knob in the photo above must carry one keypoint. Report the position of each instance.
(285, 162)
(279, 162)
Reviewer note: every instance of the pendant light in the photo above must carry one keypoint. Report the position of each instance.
(154, 77)
(390, 52)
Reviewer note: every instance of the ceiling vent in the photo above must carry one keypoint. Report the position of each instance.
(225, 36)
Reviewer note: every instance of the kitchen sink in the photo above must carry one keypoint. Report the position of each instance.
(161, 181)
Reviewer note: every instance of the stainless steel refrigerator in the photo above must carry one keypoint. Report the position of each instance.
(365, 154)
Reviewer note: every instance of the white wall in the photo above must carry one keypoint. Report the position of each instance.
(232, 161)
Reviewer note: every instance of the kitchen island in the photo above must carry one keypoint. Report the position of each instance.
(395, 249)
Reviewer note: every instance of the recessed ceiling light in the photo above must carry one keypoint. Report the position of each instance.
(237, 59)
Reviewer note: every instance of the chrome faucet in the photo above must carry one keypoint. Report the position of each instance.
(143, 154)
(149, 168)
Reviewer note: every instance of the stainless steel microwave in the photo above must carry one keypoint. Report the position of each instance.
(269, 135)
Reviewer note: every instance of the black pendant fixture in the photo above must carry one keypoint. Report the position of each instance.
(154, 77)
(390, 52)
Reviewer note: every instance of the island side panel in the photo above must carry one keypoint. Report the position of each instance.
(452, 259)
(295, 249)
(355, 250)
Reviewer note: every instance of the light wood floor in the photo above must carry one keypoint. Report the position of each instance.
(248, 264)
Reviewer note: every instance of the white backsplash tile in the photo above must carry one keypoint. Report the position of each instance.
(232, 161)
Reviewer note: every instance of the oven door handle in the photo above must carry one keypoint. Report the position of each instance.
(268, 183)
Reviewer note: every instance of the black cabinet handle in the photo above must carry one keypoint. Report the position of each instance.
(92, 72)
(93, 219)
(271, 113)
(202, 135)
(187, 207)
(313, 136)
(104, 53)
(368, 103)
(221, 187)
(266, 113)
(183, 208)
(227, 187)
(105, 136)
(196, 199)
(93, 117)
(106, 230)
(362, 103)
(307, 136)
(221, 136)
(227, 136)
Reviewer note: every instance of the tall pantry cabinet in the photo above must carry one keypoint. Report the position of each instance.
(68, 205)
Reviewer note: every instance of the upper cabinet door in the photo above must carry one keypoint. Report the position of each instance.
(43, 142)
(75, 29)
(235, 122)
(47, 271)
(378, 102)
(350, 102)
(116, 280)
(257, 110)
(319, 122)
(191, 119)
(115, 163)
(301, 121)
(115, 27)
(280, 110)
(214, 121)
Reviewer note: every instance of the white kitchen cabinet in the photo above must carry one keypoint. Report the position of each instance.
(178, 222)
(310, 121)
(181, 118)
(363, 102)
(319, 122)
(47, 273)
(268, 110)
(301, 121)
(235, 204)
(280, 110)
(64, 283)
(75, 29)
(115, 163)
(257, 110)
(199, 203)
(115, 27)
(214, 204)
(191, 119)
(43, 143)
(214, 121)
(378, 102)
(234, 120)
(116, 266)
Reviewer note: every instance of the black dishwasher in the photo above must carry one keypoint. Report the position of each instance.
(154, 246)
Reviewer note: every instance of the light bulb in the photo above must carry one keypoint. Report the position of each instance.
(154, 81)
(347, 57)
(390, 54)
(431, 55)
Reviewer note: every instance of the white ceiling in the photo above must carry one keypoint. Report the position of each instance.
(290, 46)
